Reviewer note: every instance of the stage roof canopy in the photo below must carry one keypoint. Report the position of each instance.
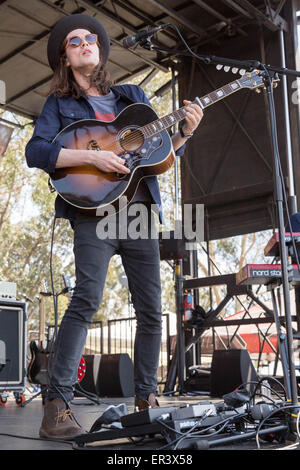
(25, 28)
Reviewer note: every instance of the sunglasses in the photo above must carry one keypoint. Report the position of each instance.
(76, 41)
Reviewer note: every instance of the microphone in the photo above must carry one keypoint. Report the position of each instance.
(137, 38)
(261, 411)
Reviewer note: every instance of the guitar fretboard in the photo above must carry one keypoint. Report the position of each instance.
(173, 118)
(163, 123)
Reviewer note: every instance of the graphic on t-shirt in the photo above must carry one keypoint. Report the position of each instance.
(104, 116)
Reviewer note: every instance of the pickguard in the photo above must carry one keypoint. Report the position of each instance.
(142, 156)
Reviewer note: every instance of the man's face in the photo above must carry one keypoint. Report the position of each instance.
(84, 57)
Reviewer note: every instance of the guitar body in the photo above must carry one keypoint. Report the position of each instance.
(86, 187)
(37, 370)
(137, 136)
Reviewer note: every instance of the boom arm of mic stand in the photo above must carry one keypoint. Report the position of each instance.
(249, 64)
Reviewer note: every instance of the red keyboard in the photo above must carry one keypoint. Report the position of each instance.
(264, 274)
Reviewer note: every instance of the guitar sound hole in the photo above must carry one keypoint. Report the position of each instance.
(131, 140)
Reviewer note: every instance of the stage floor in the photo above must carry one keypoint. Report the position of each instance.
(19, 427)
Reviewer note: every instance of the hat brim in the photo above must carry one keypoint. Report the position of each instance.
(78, 21)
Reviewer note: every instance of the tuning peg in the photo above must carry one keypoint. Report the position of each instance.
(219, 67)
(234, 70)
(226, 68)
(257, 90)
(242, 72)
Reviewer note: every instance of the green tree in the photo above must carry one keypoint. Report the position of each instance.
(26, 218)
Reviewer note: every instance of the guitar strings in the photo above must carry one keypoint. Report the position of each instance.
(116, 143)
(134, 138)
(131, 139)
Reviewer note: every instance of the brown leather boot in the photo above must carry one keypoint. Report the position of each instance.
(58, 421)
(141, 405)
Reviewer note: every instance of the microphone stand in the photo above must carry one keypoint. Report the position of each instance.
(268, 73)
(278, 194)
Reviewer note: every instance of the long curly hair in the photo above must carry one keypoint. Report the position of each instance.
(64, 84)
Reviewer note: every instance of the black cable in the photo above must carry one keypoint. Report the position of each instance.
(274, 380)
(184, 42)
(174, 441)
(55, 306)
(191, 434)
(224, 424)
(266, 396)
(91, 396)
(257, 383)
(165, 425)
(60, 441)
(187, 435)
(137, 442)
(52, 283)
(272, 414)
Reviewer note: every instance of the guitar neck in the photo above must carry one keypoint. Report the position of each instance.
(173, 118)
(42, 312)
(42, 320)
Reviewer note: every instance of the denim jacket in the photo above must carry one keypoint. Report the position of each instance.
(58, 113)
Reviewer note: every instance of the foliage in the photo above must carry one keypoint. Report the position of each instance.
(26, 219)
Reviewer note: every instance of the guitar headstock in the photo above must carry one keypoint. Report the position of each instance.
(67, 282)
(254, 80)
(43, 288)
(251, 80)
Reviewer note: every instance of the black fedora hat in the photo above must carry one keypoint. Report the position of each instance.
(64, 26)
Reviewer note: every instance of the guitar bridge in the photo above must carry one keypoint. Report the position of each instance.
(93, 145)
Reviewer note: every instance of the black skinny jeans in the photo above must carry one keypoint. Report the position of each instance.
(141, 262)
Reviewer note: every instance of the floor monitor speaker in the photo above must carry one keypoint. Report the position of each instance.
(115, 378)
(231, 368)
(109, 375)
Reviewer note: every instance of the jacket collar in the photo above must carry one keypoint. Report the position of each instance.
(118, 92)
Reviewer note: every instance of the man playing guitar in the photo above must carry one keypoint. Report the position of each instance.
(78, 50)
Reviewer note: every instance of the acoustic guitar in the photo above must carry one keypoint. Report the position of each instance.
(139, 137)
